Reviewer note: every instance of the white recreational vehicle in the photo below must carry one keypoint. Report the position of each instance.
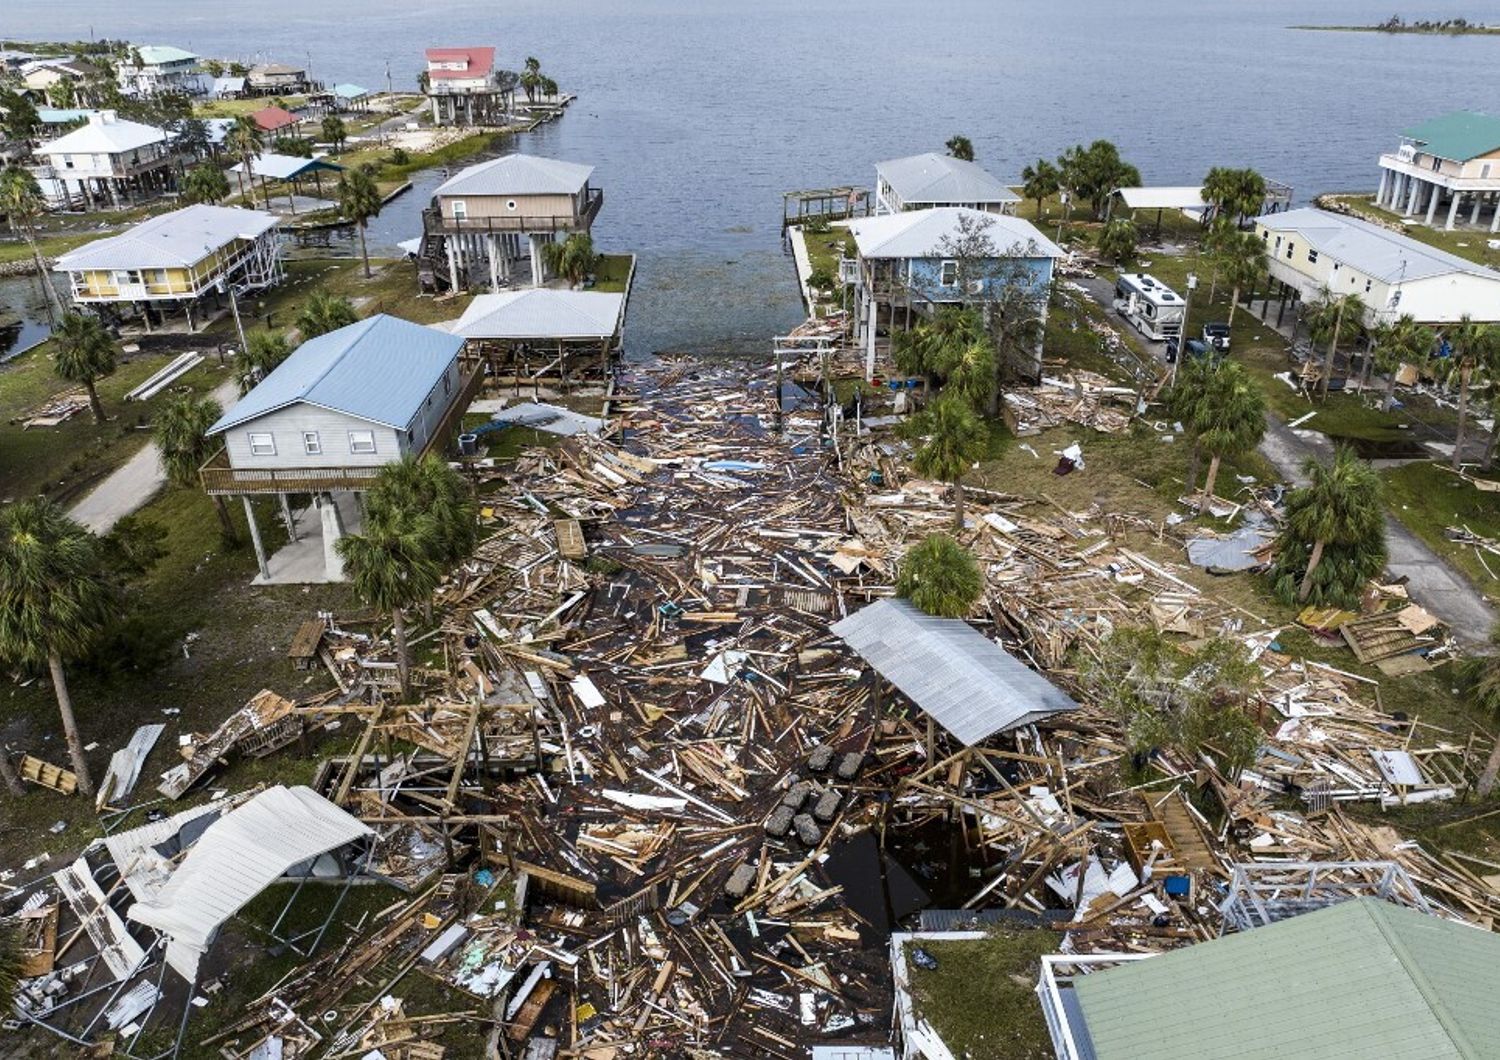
(1154, 308)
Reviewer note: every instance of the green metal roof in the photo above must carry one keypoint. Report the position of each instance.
(1361, 979)
(1459, 136)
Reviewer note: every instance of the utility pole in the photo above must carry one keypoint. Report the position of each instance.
(1182, 339)
(1067, 212)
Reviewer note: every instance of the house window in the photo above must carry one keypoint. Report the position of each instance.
(1290, 247)
(312, 445)
(1278, 241)
(1367, 286)
(1484, 171)
(262, 444)
(361, 441)
(447, 384)
(460, 210)
(948, 274)
(1312, 257)
(510, 204)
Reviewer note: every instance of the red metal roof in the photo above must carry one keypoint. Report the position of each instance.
(272, 119)
(480, 61)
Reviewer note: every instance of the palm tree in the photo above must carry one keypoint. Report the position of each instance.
(1472, 344)
(1229, 418)
(1479, 676)
(359, 200)
(531, 77)
(1241, 256)
(1234, 193)
(54, 601)
(1403, 341)
(85, 353)
(324, 312)
(955, 438)
(960, 148)
(429, 486)
(264, 350)
(940, 577)
(205, 183)
(1334, 318)
(1040, 182)
(1181, 399)
(573, 258)
(181, 434)
(1118, 240)
(391, 569)
(21, 199)
(335, 132)
(246, 141)
(1338, 508)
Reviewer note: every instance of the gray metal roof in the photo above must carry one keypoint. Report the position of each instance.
(172, 240)
(380, 369)
(925, 233)
(542, 313)
(1373, 250)
(968, 684)
(942, 179)
(518, 175)
(105, 134)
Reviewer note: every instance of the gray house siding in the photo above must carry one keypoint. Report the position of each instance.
(286, 427)
(431, 413)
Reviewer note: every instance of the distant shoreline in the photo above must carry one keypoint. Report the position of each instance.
(1415, 30)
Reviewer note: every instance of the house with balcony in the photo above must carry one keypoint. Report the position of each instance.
(108, 159)
(160, 69)
(270, 79)
(465, 88)
(1309, 251)
(1446, 171)
(185, 262)
(907, 265)
(329, 417)
(925, 182)
(42, 77)
(488, 223)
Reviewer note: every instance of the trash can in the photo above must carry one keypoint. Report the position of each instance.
(468, 445)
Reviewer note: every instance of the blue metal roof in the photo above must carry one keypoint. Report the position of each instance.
(380, 369)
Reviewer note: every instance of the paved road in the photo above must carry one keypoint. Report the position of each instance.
(135, 482)
(1431, 582)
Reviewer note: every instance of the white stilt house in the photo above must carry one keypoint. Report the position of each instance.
(1446, 171)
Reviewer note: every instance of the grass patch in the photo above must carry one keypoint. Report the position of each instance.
(234, 108)
(981, 997)
(611, 272)
(1428, 498)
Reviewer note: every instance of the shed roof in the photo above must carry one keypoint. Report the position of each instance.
(105, 134)
(161, 54)
(1370, 248)
(968, 684)
(1459, 136)
(923, 234)
(942, 179)
(1163, 198)
(380, 369)
(285, 167)
(518, 175)
(236, 858)
(1359, 979)
(350, 91)
(542, 313)
(170, 240)
(273, 118)
(274, 70)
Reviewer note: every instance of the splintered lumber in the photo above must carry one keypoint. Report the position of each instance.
(47, 775)
(559, 885)
(570, 544)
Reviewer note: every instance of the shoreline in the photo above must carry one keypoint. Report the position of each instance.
(1407, 31)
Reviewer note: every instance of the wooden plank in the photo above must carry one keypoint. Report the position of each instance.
(570, 542)
(47, 775)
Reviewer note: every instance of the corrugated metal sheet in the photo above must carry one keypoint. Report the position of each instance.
(941, 179)
(968, 684)
(922, 234)
(380, 369)
(541, 313)
(105, 134)
(285, 167)
(1361, 979)
(1164, 198)
(178, 239)
(1460, 136)
(239, 856)
(1371, 249)
(518, 175)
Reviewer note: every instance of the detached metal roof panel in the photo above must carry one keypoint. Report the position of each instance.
(518, 175)
(1361, 979)
(926, 233)
(941, 179)
(1460, 136)
(380, 369)
(237, 857)
(1373, 250)
(542, 313)
(968, 684)
(178, 239)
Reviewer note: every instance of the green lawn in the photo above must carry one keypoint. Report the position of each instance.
(612, 271)
(1428, 498)
(981, 998)
(233, 108)
(1470, 244)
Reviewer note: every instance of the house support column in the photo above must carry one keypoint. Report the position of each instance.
(537, 276)
(286, 514)
(1474, 213)
(1495, 221)
(1453, 205)
(1413, 186)
(260, 548)
(1385, 177)
(1432, 202)
(333, 530)
(869, 321)
(452, 264)
(492, 252)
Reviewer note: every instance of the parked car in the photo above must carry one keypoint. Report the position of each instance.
(1195, 349)
(1217, 336)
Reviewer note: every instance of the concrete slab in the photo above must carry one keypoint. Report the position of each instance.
(305, 561)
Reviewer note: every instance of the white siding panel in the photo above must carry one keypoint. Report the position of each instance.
(286, 426)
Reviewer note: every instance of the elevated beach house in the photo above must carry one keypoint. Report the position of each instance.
(907, 265)
(269, 79)
(1446, 170)
(108, 159)
(339, 408)
(492, 219)
(41, 76)
(185, 261)
(158, 69)
(923, 182)
(465, 88)
(1309, 250)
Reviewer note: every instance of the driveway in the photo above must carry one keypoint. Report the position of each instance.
(136, 481)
